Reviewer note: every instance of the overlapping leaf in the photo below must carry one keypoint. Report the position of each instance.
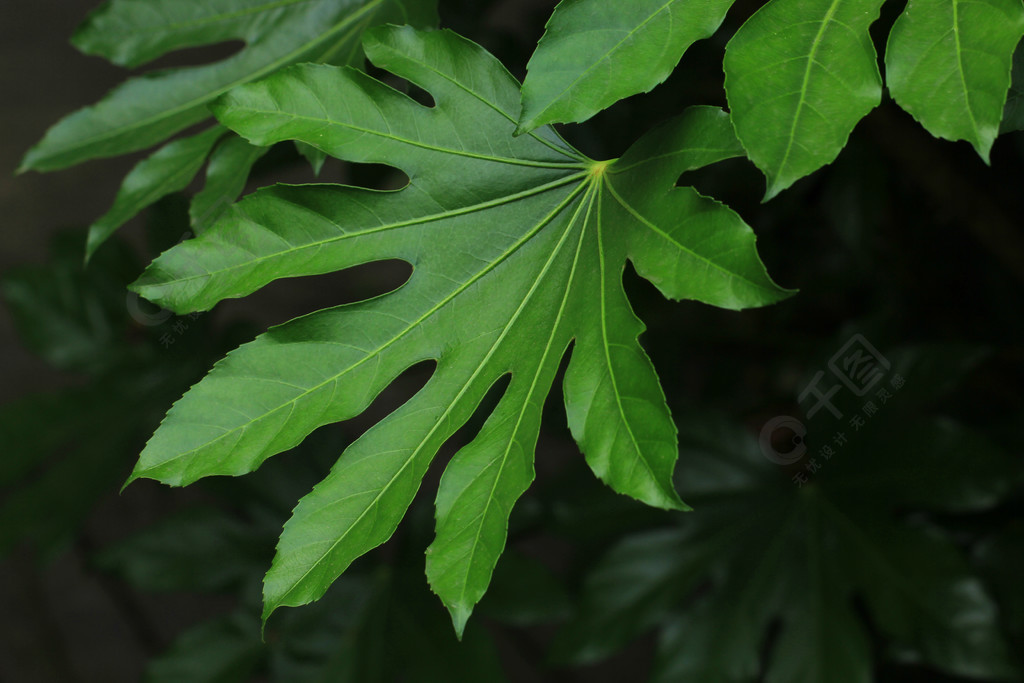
(948, 64)
(147, 109)
(799, 76)
(837, 532)
(169, 169)
(830, 540)
(518, 247)
(596, 52)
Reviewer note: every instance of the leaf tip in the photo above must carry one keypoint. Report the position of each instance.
(460, 613)
(524, 126)
(268, 609)
(984, 150)
(775, 186)
(93, 240)
(131, 478)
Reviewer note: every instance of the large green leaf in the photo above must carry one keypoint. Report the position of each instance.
(145, 110)
(799, 75)
(518, 247)
(948, 64)
(596, 52)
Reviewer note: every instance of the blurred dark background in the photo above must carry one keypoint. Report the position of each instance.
(911, 241)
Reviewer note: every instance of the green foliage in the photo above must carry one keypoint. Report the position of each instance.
(839, 535)
(799, 76)
(56, 462)
(519, 244)
(532, 232)
(145, 110)
(596, 52)
(948, 64)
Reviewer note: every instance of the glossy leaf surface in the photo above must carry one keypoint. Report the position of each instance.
(948, 64)
(799, 76)
(518, 247)
(596, 52)
(144, 110)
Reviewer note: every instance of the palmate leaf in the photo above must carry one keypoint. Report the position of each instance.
(518, 246)
(799, 75)
(596, 52)
(841, 537)
(948, 64)
(146, 110)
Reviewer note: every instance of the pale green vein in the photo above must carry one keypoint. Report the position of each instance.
(588, 201)
(960, 70)
(603, 271)
(455, 213)
(411, 326)
(467, 385)
(422, 145)
(606, 56)
(815, 46)
(567, 151)
(664, 235)
(268, 68)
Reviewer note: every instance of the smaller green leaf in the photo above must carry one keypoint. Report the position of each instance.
(596, 52)
(170, 169)
(145, 110)
(719, 637)
(47, 510)
(224, 650)
(948, 64)
(226, 176)
(1013, 112)
(935, 608)
(199, 549)
(923, 462)
(822, 638)
(632, 589)
(799, 75)
(315, 157)
(1001, 560)
(73, 318)
(821, 641)
(686, 244)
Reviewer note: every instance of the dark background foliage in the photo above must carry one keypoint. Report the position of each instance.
(911, 241)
